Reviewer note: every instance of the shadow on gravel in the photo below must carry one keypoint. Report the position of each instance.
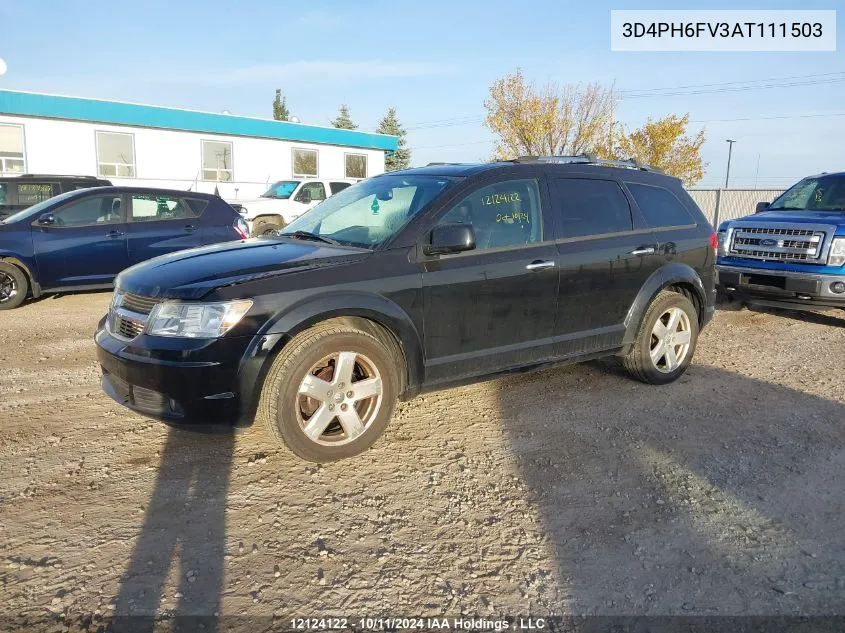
(832, 317)
(185, 520)
(716, 495)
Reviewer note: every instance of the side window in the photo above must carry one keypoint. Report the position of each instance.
(318, 191)
(503, 214)
(659, 206)
(94, 210)
(591, 207)
(338, 186)
(146, 208)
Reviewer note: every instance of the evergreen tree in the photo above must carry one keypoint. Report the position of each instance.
(343, 120)
(401, 158)
(280, 108)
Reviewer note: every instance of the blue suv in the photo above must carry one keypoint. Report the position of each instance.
(82, 239)
(790, 253)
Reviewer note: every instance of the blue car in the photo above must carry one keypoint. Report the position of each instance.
(791, 252)
(82, 239)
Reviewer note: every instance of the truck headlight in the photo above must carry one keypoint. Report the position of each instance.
(837, 252)
(196, 320)
(723, 243)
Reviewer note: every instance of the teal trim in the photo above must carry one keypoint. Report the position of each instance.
(117, 113)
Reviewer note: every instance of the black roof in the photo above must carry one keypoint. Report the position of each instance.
(181, 193)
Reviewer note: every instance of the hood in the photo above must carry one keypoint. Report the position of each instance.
(817, 217)
(193, 273)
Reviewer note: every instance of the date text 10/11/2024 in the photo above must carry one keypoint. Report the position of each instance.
(432, 623)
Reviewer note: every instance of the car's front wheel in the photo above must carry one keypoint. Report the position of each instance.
(666, 339)
(330, 392)
(14, 286)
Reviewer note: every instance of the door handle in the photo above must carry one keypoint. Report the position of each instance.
(190, 228)
(115, 233)
(540, 265)
(644, 250)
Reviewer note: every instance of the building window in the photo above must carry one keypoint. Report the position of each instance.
(355, 165)
(115, 154)
(12, 159)
(217, 161)
(304, 163)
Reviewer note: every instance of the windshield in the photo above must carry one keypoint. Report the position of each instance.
(281, 190)
(824, 193)
(42, 206)
(371, 212)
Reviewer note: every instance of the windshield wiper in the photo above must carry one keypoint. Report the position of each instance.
(787, 209)
(305, 235)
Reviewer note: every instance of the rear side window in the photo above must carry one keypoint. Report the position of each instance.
(30, 193)
(337, 186)
(591, 207)
(197, 206)
(147, 208)
(659, 206)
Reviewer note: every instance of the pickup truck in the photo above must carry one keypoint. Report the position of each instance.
(285, 201)
(791, 252)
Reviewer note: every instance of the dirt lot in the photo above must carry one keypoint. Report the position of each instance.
(573, 490)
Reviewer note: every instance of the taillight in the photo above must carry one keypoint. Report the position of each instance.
(714, 242)
(241, 228)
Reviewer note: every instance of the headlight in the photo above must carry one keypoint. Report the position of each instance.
(196, 320)
(837, 252)
(723, 243)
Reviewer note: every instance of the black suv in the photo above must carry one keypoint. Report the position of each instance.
(408, 282)
(19, 192)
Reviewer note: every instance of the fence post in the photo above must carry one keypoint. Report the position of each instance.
(716, 212)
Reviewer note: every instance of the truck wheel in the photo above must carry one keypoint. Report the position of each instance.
(14, 286)
(666, 340)
(330, 392)
(268, 226)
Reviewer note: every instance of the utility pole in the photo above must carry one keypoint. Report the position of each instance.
(730, 151)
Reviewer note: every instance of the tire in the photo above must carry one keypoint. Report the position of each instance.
(267, 226)
(14, 286)
(317, 352)
(639, 361)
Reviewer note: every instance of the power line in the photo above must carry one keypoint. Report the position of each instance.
(691, 89)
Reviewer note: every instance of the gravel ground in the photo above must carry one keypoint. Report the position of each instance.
(573, 490)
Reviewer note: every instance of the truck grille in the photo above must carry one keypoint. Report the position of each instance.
(129, 318)
(808, 243)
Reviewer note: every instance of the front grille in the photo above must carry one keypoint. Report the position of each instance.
(128, 318)
(777, 242)
(137, 303)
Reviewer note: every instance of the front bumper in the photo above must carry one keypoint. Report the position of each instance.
(184, 383)
(781, 288)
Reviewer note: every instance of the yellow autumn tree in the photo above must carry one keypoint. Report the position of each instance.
(552, 120)
(664, 143)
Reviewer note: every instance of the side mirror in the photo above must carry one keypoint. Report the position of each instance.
(761, 206)
(304, 196)
(46, 219)
(450, 238)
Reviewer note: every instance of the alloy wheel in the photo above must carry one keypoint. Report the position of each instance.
(339, 398)
(670, 340)
(8, 287)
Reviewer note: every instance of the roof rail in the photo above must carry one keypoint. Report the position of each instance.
(24, 176)
(589, 159)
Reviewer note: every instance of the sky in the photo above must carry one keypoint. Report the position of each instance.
(434, 62)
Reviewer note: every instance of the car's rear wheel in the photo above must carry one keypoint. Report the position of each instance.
(666, 340)
(14, 286)
(330, 392)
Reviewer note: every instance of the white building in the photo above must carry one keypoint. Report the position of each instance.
(142, 145)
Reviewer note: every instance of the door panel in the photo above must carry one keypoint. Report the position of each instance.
(160, 224)
(603, 261)
(492, 307)
(86, 244)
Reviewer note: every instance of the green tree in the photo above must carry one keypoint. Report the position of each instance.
(664, 143)
(401, 158)
(280, 108)
(343, 120)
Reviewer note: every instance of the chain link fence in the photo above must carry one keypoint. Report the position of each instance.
(719, 205)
